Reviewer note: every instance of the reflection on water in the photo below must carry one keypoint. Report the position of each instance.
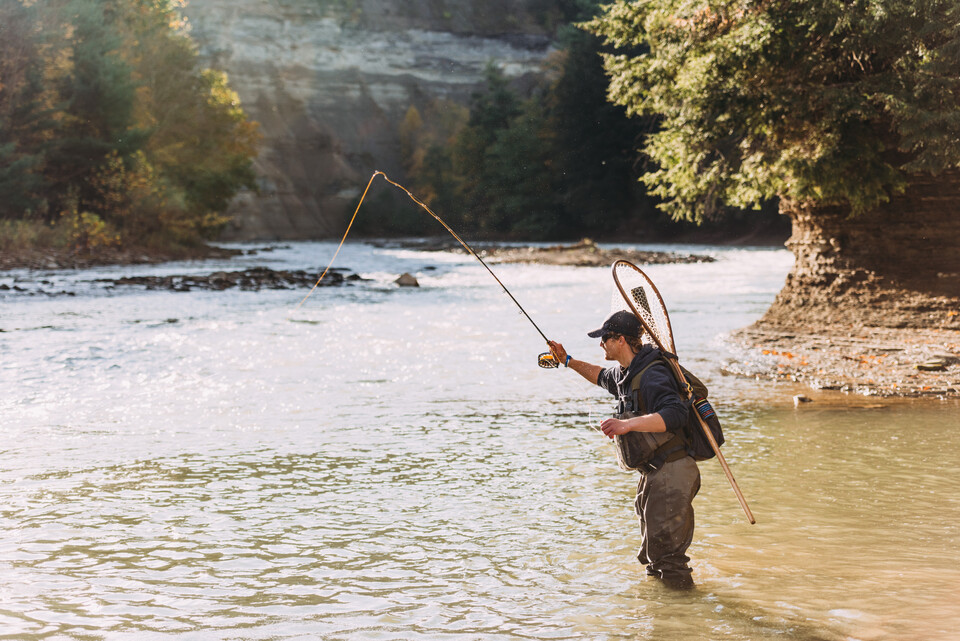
(391, 464)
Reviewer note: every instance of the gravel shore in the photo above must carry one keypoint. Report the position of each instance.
(871, 361)
(49, 258)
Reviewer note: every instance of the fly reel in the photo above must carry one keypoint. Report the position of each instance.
(547, 361)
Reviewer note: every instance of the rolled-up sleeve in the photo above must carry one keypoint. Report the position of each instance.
(608, 379)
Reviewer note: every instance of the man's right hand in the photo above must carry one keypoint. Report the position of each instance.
(558, 352)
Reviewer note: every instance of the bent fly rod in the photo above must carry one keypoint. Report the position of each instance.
(545, 359)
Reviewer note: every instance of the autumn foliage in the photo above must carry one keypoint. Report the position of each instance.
(110, 127)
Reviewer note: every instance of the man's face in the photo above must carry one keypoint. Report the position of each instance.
(612, 344)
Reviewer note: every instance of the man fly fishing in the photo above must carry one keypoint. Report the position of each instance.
(649, 426)
(651, 405)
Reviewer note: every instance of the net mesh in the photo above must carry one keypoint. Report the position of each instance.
(646, 301)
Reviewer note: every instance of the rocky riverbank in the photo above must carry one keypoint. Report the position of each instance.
(588, 254)
(871, 361)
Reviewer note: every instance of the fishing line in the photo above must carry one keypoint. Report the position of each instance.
(439, 220)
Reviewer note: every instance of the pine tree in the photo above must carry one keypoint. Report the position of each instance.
(491, 112)
(99, 93)
(26, 111)
(595, 160)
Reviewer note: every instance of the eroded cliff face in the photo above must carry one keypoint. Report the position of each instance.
(329, 81)
(896, 266)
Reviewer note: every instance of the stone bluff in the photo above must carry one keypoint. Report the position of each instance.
(329, 81)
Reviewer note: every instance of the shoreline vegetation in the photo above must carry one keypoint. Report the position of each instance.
(116, 144)
(69, 244)
(889, 363)
(53, 258)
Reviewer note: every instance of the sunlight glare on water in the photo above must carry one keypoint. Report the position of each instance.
(388, 463)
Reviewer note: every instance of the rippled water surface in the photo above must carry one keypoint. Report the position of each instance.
(387, 463)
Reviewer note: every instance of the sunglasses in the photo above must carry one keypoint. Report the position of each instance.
(607, 337)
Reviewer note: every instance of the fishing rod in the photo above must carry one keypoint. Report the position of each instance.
(543, 359)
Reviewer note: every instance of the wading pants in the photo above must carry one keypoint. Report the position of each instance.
(665, 508)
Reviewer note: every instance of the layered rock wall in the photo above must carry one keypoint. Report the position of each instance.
(330, 80)
(895, 266)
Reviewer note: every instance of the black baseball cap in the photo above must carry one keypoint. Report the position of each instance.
(622, 322)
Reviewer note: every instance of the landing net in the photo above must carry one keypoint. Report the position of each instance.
(634, 292)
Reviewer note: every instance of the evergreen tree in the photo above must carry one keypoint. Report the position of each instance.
(518, 173)
(98, 113)
(814, 101)
(26, 111)
(596, 166)
(556, 165)
(491, 112)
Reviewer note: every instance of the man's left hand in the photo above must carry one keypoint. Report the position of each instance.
(614, 427)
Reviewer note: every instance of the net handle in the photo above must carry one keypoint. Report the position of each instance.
(672, 360)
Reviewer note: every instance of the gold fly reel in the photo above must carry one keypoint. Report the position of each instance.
(547, 361)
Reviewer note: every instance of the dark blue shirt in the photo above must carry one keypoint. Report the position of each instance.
(657, 387)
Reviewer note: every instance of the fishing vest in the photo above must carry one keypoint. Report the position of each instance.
(644, 451)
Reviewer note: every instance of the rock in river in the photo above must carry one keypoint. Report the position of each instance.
(407, 280)
(255, 278)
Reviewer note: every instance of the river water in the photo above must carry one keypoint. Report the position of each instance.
(390, 463)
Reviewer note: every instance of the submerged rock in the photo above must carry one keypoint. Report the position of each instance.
(933, 365)
(252, 279)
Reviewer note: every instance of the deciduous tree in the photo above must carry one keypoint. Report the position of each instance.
(848, 112)
(108, 117)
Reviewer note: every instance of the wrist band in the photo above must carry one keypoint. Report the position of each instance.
(567, 364)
